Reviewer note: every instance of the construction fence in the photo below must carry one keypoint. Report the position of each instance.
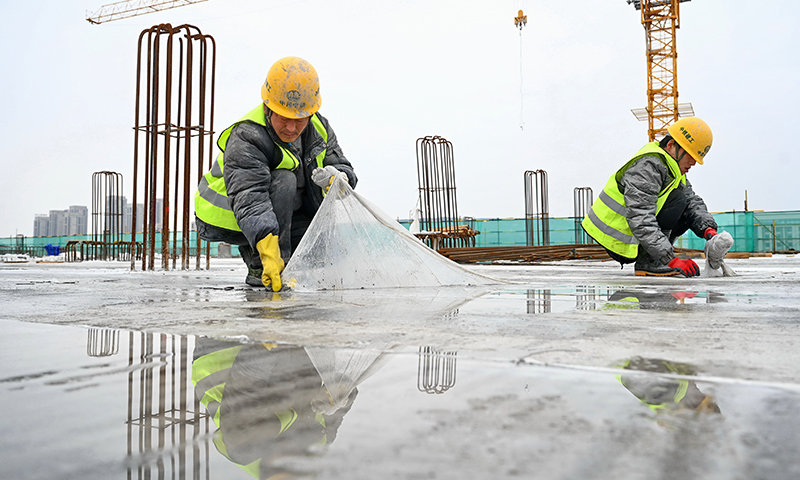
(83, 247)
(752, 231)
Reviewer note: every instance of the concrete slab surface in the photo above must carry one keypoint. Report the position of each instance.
(573, 369)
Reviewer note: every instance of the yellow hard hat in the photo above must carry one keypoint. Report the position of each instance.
(292, 88)
(693, 135)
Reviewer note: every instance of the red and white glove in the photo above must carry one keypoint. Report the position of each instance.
(686, 265)
(710, 232)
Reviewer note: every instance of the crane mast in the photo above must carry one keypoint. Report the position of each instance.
(661, 19)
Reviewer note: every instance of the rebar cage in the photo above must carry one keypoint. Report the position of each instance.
(173, 134)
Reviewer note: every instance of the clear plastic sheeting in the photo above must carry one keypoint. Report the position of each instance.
(342, 370)
(351, 244)
(716, 249)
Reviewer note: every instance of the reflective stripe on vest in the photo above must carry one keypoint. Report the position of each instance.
(680, 390)
(607, 220)
(211, 203)
(208, 377)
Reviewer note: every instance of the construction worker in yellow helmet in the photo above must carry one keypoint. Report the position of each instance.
(649, 202)
(275, 166)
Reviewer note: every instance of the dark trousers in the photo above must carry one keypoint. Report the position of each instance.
(292, 221)
(671, 219)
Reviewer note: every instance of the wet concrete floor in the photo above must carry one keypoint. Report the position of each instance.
(572, 370)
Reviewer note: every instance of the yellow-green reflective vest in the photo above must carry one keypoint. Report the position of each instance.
(681, 387)
(209, 373)
(211, 203)
(607, 220)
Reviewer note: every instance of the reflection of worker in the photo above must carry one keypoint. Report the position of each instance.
(265, 402)
(649, 202)
(628, 299)
(663, 394)
(275, 173)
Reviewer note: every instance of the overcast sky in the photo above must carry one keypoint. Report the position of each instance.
(392, 72)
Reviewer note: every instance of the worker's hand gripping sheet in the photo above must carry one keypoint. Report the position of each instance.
(716, 249)
(351, 244)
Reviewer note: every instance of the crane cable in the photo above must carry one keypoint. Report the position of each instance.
(520, 21)
(521, 92)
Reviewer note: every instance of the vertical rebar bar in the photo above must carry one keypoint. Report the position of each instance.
(107, 216)
(159, 409)
(537, 215)
(102, 342)
(582, 200)
(436, 178)
(168, 167)
(436, 371)
(540, 301)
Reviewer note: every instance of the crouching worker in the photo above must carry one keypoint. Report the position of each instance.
(649, 202)
(276, 165)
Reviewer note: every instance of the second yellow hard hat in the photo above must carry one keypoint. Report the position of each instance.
(694, 135)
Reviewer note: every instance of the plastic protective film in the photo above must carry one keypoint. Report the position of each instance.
(716, 249)
(351, 244)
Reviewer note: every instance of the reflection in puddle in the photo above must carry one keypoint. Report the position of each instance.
(436, 371)
(663, 393)
(271, 402)
(559, 300)
(539, 301)
(166, 406)
(166, 427)
(102, 342)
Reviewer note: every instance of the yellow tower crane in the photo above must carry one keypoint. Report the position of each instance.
(661, 19)
(132, 8)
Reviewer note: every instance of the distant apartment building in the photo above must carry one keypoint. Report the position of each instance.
(117, 214)
(129, 218)
(59, 223)
(140, 216)
(110, 218)
(41, 225)
(77, 220)
(73, 221)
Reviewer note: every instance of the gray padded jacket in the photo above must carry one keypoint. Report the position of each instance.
(250, 156)
(641, 185)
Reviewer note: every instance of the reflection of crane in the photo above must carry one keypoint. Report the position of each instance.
(132, 8)
(661, 18)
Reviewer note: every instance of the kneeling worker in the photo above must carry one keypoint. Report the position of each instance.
(649, 202)
(276, 165)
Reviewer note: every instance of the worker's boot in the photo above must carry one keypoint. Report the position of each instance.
(254, 269)
(645, 266)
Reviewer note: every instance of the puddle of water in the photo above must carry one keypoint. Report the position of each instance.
(566, 299)
(99, 403)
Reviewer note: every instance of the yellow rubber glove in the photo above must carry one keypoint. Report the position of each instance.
(271, 261)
